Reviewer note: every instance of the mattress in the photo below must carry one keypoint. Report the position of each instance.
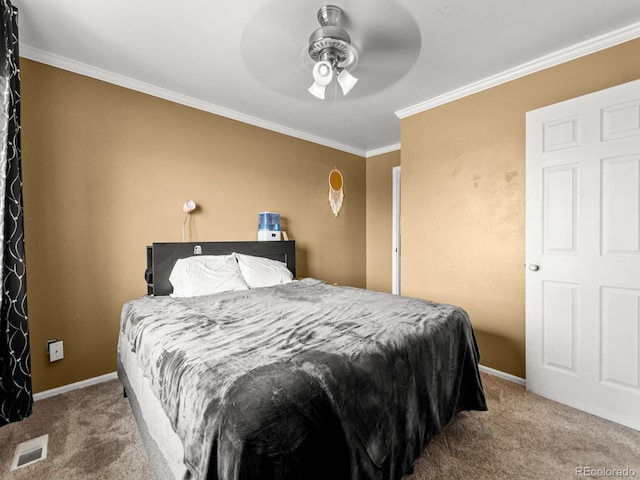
(149, 413)
(303, 380)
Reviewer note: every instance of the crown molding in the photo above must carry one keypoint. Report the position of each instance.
(381, 150)
(64, 63)
(578, 50)
(593, 45)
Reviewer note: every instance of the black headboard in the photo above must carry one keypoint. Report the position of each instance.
(161, 257)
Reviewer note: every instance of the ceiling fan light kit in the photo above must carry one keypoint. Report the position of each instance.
(346, 81)
(330, 47)
(322, 75)
(317, 90)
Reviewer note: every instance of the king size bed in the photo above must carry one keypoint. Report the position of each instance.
(269, 378)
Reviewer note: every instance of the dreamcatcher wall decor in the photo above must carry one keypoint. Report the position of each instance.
(336, 195)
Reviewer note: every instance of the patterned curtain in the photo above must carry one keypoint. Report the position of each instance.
(15, 361)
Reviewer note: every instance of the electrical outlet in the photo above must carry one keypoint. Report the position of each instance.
(56, 351)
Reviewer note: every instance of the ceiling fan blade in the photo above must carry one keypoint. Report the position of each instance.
(389, 41)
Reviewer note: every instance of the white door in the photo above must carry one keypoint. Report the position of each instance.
(395, 233)
(583, 253)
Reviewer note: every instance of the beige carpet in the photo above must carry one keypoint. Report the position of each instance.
(529, 437)
(92, 435)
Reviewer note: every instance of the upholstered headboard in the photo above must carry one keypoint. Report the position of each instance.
(161, 257)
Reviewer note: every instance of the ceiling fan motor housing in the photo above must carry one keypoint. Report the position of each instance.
(331, 42)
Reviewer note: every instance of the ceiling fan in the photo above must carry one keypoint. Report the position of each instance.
(381, 46)
(330, 47)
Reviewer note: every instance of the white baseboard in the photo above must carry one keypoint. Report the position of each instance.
(113, 375)
(506, 376)
(75, 386)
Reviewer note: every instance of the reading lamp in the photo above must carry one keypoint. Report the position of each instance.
(188, 207)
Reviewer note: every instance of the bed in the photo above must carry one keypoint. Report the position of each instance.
(299, 380)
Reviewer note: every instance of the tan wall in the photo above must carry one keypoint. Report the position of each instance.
(106, 171)
(463, 197)
(379, 201)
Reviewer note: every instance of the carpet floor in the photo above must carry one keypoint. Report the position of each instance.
(92, 435)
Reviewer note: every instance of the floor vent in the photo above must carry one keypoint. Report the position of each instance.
(30, 452)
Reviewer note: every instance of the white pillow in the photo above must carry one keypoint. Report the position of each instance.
(205, 275)
(263, 272)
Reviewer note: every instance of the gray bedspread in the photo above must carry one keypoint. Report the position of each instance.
(305, 380)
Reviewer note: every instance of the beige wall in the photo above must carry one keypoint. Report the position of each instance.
(379, 200)
(463, 197)
(106, 171)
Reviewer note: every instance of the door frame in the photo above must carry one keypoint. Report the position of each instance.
(395, 232)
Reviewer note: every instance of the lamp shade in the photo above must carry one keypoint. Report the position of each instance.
(346, 81)
(317, 90)
(189, 206)
(322, 73)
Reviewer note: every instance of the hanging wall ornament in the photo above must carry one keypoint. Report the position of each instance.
(336, 195)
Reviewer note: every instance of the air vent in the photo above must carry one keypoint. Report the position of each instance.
(30, 452)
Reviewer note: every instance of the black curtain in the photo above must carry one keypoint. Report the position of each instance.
(15, 361)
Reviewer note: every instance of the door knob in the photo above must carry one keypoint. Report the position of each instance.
(534, 267)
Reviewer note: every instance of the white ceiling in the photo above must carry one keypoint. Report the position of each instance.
(245, 59)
